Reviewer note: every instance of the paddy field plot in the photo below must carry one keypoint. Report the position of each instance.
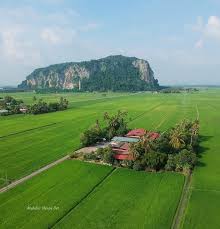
(128, 199)
(85, 195)
(203, 207)
(30, 142)
(60, 188)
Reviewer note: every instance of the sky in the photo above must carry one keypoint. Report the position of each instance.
(180, 39)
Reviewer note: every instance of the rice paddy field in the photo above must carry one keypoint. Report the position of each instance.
(123, 199)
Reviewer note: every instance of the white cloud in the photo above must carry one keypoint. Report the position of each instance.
(212, 28)
(199, 44)
(209, 30)
(31, 38)
(57, 35)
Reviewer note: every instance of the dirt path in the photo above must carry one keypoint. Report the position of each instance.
(183, 203)
(17, 182)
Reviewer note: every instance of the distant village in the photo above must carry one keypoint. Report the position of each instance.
(10, 106)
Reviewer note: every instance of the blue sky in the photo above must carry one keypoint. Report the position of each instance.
(180, 39)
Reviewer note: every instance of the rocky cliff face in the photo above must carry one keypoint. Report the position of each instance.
(110, 73)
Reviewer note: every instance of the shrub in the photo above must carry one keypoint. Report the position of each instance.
(171, 163)
(91, 136)
(90, 156)
(115, 124)
(128, 163)
(155, 160)
(162, 144)
(138, 165)
(185, 158)
(108, 155)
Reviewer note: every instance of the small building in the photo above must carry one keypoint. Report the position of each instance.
(122, 153)
(136, 133)
(120, 145)
(153, 135)
(23, 110)
(116, 141)
(3, 111)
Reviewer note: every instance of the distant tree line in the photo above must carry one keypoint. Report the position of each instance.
(178, 90)
(13, 106)
(41, 107)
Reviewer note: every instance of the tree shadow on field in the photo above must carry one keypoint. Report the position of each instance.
(202, 149)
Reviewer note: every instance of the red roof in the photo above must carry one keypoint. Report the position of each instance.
(122, 149)
(123, 157)
(125, 146)
(153, 135)
(136, 132)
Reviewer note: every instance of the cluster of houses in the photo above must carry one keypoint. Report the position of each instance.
(120, 145)
(22, 108)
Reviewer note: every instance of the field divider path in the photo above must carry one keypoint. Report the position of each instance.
(27, 130)
(23, 179)
(144, 112)
(84, 198)
(180, 211)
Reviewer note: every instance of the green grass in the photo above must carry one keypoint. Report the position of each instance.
(128, 199)
(24, 152)
(204, 204)
(60, 188)
(203, 210)
(23, 148)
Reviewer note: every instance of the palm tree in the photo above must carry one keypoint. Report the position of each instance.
(194, 130)
(176, 138)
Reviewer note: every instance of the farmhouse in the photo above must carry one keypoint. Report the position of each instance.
(3, 111)
(120, 145)
(137, 133)
(23, 110)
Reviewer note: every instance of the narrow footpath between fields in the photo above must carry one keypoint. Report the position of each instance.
(180, 211)
(17, 182)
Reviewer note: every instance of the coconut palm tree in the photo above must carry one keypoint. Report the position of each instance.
(194, 130)
(176, 138)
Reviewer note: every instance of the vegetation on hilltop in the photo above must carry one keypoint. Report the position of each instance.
(114, 73)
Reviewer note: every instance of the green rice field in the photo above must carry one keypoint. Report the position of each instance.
(128, 199)
(29, 142)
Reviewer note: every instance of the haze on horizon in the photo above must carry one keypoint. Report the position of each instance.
(180, 39)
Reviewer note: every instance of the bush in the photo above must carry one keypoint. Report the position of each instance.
(91, 136)
(185, 158)
(116, 124)
(90, 156)
(138, 166)
(162, 144)
(108, 155)
(155, 160)
(128, 163)
(171, 163)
